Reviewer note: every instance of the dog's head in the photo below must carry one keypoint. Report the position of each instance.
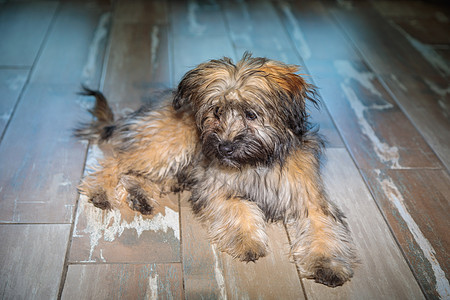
(252, 112)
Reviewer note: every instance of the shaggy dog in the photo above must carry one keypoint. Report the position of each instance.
(237, 136)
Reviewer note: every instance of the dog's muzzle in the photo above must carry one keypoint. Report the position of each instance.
(226, 149)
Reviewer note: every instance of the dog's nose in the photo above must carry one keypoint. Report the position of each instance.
(226, 148)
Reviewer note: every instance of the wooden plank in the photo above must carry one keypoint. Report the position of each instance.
(248, 26)
(123, 235)
(374, 129)
(197, 18)
(23, 27)
(41, 163)
(202, 267)
(427, 104)
(416, 204)
(39, 157)
(385, 47)
(199, 34)
(141, 11)
(313, 32)
(412, 9)
(32, 259)
(11, 85)
(383, 272)
(74, 49)
(138, 67)
(426, 31)
(142, 281)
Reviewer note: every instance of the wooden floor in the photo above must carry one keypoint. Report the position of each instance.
(383, 72)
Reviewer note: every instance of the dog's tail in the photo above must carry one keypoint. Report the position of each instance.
(101, 128)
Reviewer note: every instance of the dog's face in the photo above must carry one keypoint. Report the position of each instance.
(251, 112)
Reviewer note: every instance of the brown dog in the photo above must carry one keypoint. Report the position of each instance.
(238, 137)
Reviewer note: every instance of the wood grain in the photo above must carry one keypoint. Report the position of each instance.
(383, 272)
(248, 26)
(202, 268)
(373, 127)
(427, 104)
(386, 49)
(11, 85)
(23, 27)
(416, 204)
(32, 259)
(313, 32)
(141, 281)
(41, 163)
(199, 34)
(74, 50)
(138, 67)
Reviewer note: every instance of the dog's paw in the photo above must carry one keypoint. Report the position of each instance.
(253, 255)
(139, 201)
(247, 250)
(100, 200)
(331, 272)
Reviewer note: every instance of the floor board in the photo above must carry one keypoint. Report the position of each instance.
(124, 281)
(31, 260)
(23, 27)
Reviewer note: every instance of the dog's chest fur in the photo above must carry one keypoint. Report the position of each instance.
(263, 185)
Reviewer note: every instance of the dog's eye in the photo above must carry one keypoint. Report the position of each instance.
(217, 112)
(250, 115)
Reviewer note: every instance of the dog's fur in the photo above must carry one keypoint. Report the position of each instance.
(237, 136)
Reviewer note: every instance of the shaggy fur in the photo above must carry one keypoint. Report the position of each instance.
(237, 136)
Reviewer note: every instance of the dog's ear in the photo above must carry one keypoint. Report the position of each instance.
(294, 92)
(184, 91)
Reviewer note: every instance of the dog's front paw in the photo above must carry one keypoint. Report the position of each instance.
(252, 255)
(100, 200)
(245, 249)
(139, 201)
(331, 272)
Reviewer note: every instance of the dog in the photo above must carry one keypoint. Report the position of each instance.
(237, 136)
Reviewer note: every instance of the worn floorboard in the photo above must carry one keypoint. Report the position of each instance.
(31, 260)
(12, 82)
(395, 59)
(23, 27)
(124, 281)
(138, 69)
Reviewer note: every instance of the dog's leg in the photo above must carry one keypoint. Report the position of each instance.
(322, 244)
(100, 186)
(138, 192)
(236, 225)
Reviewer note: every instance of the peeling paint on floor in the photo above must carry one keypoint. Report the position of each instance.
(109, 224)
(426, 51)
(99, 35)
(386, 153)
(152, 291)
(194, 26)
(395, 197)
(219, 275)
